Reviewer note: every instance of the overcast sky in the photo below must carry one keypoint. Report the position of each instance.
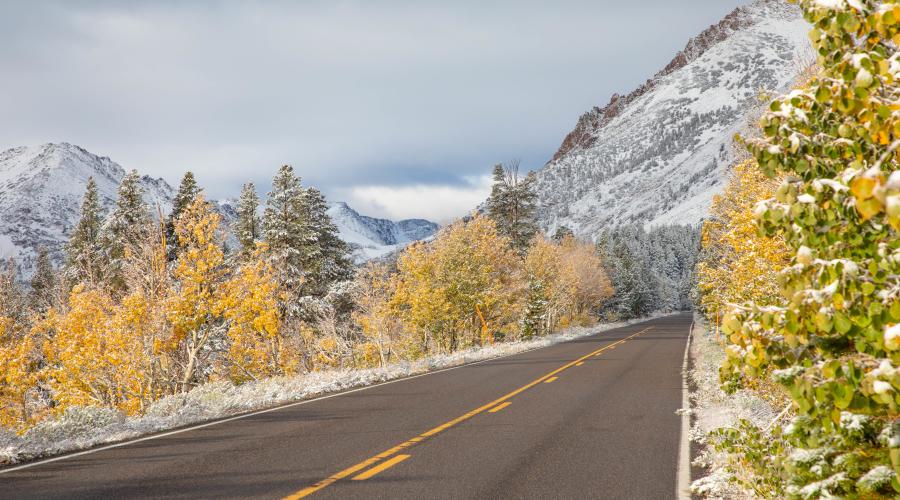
(397, 107)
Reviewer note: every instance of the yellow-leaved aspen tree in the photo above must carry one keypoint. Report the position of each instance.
(143, 310)
(441, 282)
(250, 303)
(587, 280)
(19, 359)
(379, 324)
(194, 307)
(739, 264)
(550, 291)
(90, 357)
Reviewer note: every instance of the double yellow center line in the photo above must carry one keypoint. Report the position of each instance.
(309, 490)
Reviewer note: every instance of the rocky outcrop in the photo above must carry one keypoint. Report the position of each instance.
(584, 133)
(660, 153)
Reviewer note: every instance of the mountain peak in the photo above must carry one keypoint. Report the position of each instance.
(658, 154)
(41, 189)
(370, 237)
(342, 206)
(584, 134)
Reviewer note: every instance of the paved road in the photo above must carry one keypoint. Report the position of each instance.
(592, 418)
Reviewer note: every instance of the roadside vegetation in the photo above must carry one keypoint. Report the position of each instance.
(800, 269)
(148, 306)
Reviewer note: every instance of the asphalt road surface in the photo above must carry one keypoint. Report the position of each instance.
(591, 418)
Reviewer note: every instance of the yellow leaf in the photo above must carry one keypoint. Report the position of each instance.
(862, 187)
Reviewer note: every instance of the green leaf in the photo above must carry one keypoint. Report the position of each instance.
(823, 322)
(895, 310)
(841, 323)
(843, 396)
(791, 324)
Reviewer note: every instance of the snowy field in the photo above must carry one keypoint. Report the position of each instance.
(81, 428)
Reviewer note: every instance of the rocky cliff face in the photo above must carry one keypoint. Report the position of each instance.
(584, 134)
(658, 154)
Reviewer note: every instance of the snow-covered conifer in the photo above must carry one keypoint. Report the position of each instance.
(326, 260)
(561, 233)
(123, 226)
(512, 204)
(187, 193)
(288, 235)
(43, 283)
(83, 251)
(12, 298)
(535, 314)
(248, 228)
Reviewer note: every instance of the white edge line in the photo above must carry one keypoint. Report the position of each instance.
(683, 484)
(281, 407)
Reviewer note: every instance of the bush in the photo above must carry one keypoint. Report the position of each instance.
(838, 211)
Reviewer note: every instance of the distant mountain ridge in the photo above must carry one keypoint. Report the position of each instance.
(41, 190)
(370, 237)
(658, 154)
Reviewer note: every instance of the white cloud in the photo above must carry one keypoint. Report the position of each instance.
(441, 204)
(351, 93)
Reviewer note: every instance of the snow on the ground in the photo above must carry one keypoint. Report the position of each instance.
(84, 427)
(712, 409)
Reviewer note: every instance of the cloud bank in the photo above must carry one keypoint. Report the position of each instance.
(394, 105)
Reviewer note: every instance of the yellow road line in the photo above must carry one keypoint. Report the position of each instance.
(378, 468)
(499, 407)
(579, 363)
(551, 379)
(309, 490)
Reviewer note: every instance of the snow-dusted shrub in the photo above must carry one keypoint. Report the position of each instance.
(836, 339)
(75, 421)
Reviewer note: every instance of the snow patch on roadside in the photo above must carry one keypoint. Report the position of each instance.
(85, 427)
(714, 409)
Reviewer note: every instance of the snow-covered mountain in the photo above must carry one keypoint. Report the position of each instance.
(41, 190)
(658, 155)
(372, 238)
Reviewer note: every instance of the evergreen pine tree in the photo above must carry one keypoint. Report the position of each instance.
(248, 228)
(43, 283)
(651, 271)
(83, 251)
(288, 235)
(122, 227)
(561, 233)
(187, 193)
(535, 313)
(326, 260)
(12, 298)
(512, 204)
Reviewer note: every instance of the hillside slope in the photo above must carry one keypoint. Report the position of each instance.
(41, 189)
(658, 155)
